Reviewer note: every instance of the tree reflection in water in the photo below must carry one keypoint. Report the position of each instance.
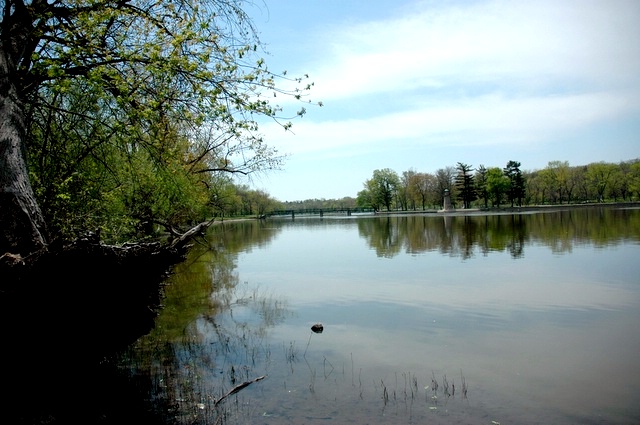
(209, 336)
(467, 235)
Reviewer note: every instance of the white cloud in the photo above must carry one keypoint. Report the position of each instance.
(559, 42)
(536, 78)
(487, 120)
(471, 73)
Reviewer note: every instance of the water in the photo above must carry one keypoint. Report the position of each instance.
(529, 318)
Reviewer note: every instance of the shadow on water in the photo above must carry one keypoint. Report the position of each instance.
(64, 333)
(57, 330)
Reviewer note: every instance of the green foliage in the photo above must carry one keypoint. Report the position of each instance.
(556, 183)
(516, 190)
(634, 179)
(497, 185)
(600, 176)
(465, 184)
(421, 190)
(364, 200)
(481, 185)
(382, 188)
(134, 111)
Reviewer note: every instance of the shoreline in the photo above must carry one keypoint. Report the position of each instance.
(529, 209)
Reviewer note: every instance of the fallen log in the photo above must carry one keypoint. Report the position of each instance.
(199, 230)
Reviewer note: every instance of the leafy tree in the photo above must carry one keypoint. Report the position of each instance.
(599, 176)
(552, 176)
(423, 189)
(445, 178)
(557, 182)
(407, 196)
(571, 182)
(383, 188)
(582, 186)
(516, 190)
(255, 202)
(634, 179)
(617, 188)
(549, 183)
(558, 178)
(465, 184)
(158, 75)
(497, 185)
(224, 196)
(622, 183)
(263, 202)
(364, 199)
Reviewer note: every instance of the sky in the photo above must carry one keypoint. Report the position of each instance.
(422, 85)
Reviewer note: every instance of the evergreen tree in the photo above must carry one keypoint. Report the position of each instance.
(516, 191)
(465, 184)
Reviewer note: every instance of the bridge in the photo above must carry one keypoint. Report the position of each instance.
(320, 212)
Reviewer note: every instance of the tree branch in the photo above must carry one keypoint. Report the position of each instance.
(238, 388)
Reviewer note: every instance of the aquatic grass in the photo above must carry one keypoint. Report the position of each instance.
(445, 386)
(385, 393)
(464, 385)
(324, 368)
(205, 380)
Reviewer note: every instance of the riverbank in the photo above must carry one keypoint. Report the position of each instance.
(529, 209)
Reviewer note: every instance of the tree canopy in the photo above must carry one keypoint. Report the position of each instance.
(380, 190)
(122, 112)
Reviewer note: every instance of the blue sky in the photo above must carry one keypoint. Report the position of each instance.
(423, 85)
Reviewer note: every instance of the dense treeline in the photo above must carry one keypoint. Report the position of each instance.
(481, 187)
(487, 187)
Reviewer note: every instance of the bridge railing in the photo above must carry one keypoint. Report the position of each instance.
(321, 211)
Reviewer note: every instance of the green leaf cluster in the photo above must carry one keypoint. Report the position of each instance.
(135, 108)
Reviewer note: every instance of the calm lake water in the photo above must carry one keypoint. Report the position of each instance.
(480, 319)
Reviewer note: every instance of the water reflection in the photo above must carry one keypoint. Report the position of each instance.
(468, 235)
(405, 321)
(210, 331)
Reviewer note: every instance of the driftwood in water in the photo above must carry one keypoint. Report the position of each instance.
(238, 388)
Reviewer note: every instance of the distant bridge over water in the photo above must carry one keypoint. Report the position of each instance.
(321, 212)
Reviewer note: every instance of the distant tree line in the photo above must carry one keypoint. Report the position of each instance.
(493, 187)
(469, 187)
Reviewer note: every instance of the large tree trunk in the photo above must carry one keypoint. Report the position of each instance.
(21, 220)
